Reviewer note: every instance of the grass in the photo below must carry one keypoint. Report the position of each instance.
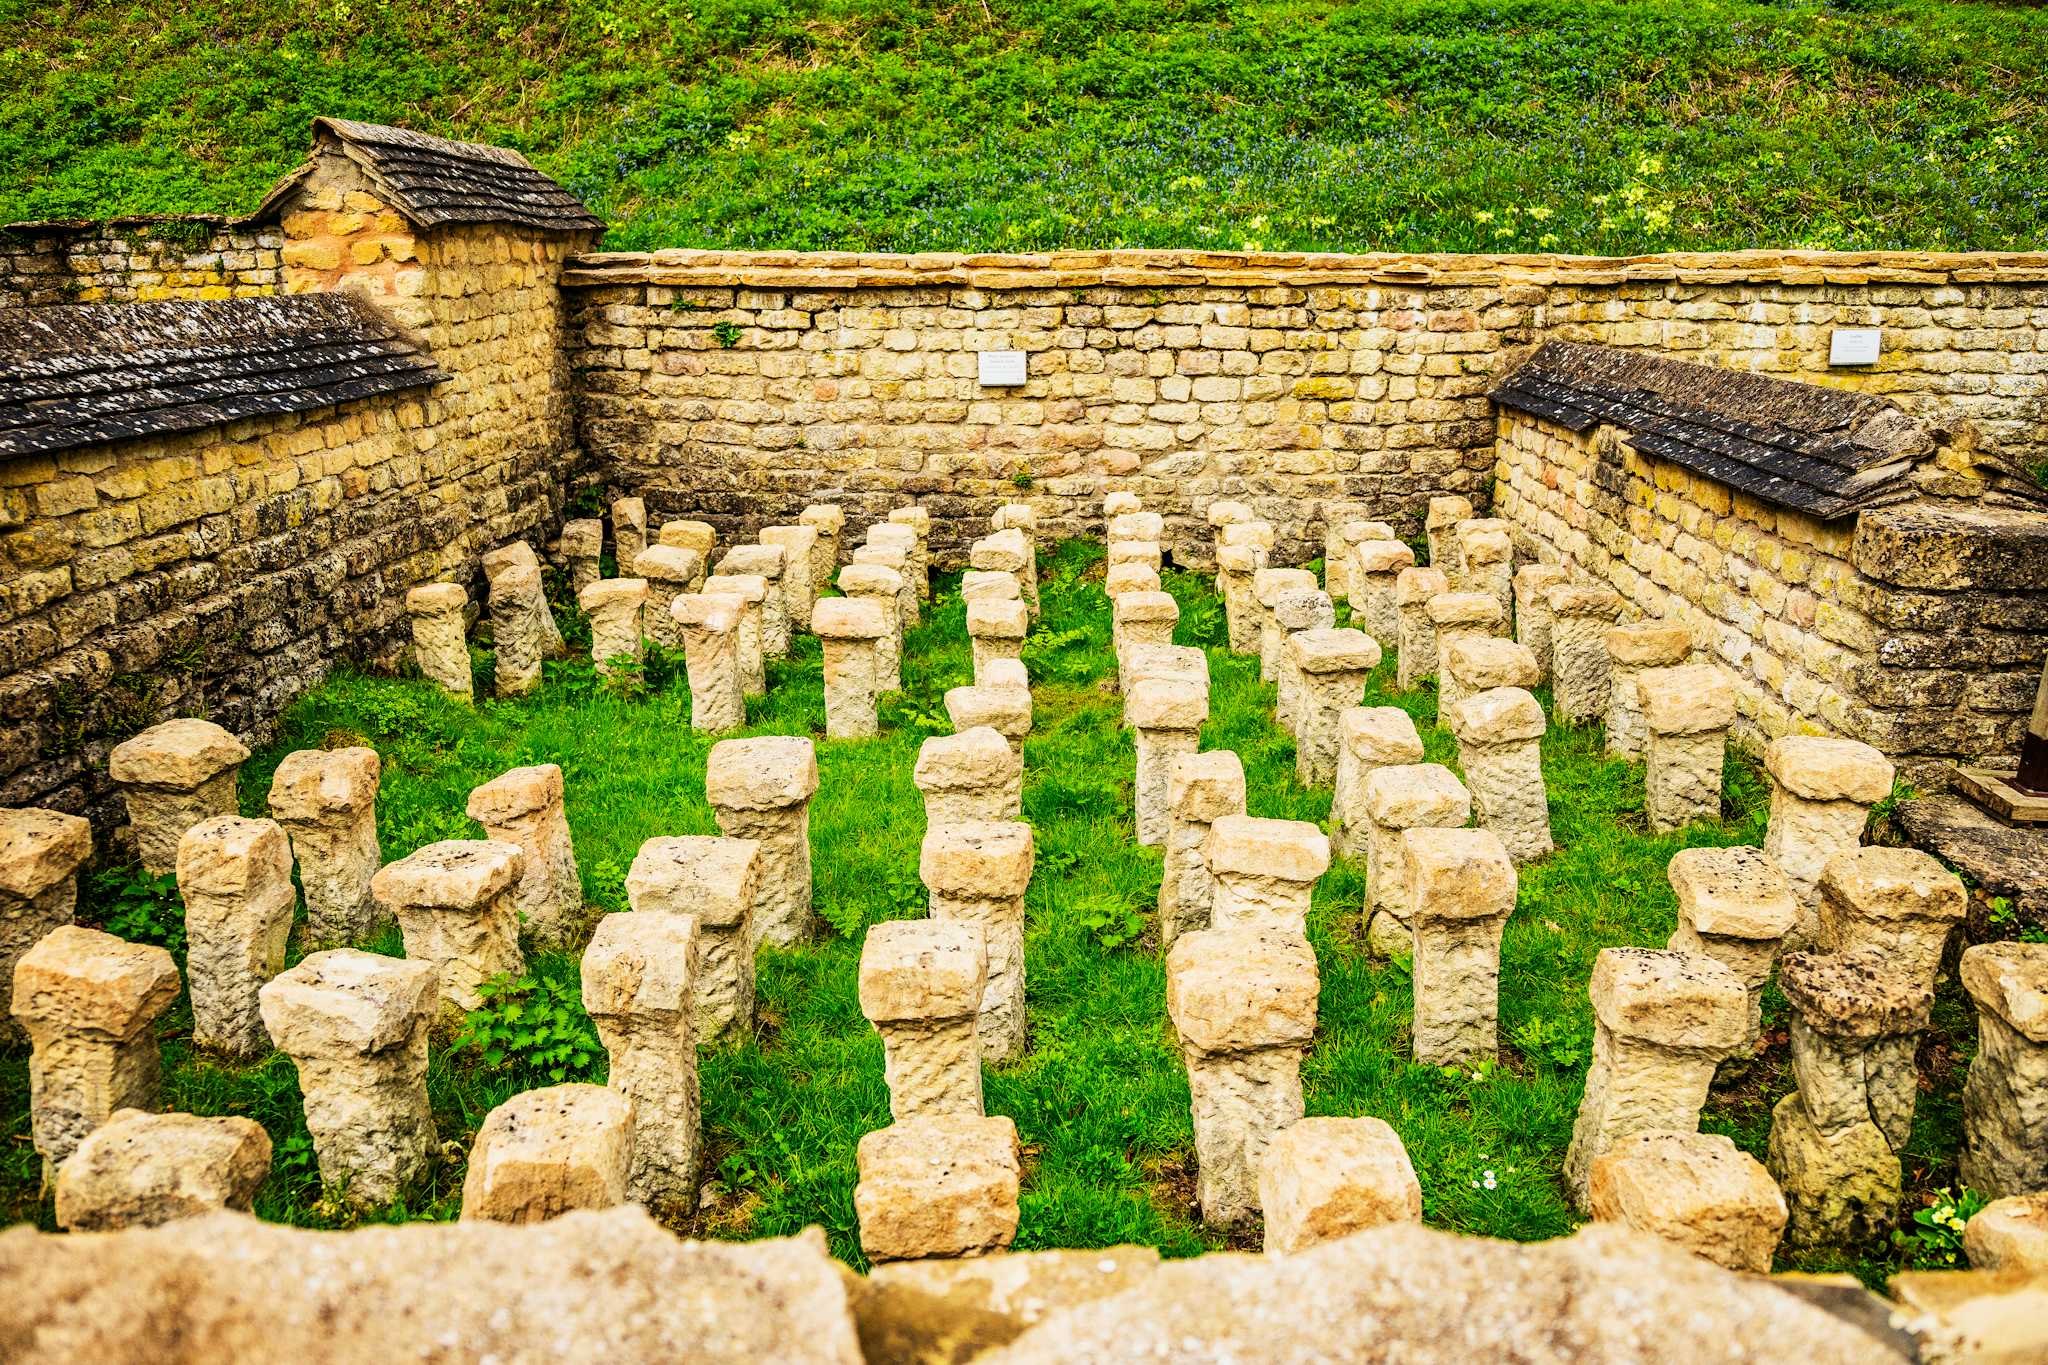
(1101, 1098)
(1576, 125)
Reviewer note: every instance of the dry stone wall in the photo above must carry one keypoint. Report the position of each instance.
(136, 260)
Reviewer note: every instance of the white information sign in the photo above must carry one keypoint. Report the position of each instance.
(1000, 369)
(1854, 346)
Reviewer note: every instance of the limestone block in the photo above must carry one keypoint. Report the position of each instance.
(629, 528)
(904, 540)
(1416, 644)
(1243, 1001)
(710, 634)
(1265, 871)
(1579, 621)
(883, 587)
(1268, 585)
(356, 1026)
(519, 555)
(1662, 1020)
(41, 852)
(1500, 748)
(1841, 1187)
(1237, 566)
(1486, 558)
(852, 633)
(1441, 526)
(546, 1152)
(2010, 1234)
(1375, 567)
(716, 882)
(1853, 1026)
(977, 873)
(1122, 578)
(1343, 532)
(1009, 552)
(2005, 1098)
(1144, 553)
(1006, 710)
(1326, 1178)
(799, 570)
(1697, 1191)
(1899, 899)
(940, 1186)
(921, 984)
(829, 521)
(1455, 616)
(918, 522)
(1461, 887)
(699, 536)
(1399, 797)
(1020, 516)
(1167, 716)
(326, 800)
(1140, 619)
(524, 806)
(89, 1003)
(1136, 525)
(770, 563)
(643, 989)
(747, 592)
(996, 630)
(1331, 668)
(438, 647)
(973, 775)
(1120, 503)
(670, 572)
(1225, 512)
(582, 546)
(172, 776)
(456, 904)
(1200, 790)
(1479, 663)
(1687, 712)
(518, 632)
(141, 1170)
(1631, 649)
(760, 789)
(235, 877)
(1735, 906)
(1294, 611)
(998, 584)
(1533, 583)
(897, 561)
(616, 607)
(1821, 794)
(1368, 738)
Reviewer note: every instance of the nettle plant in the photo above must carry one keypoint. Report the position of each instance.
(140, 907)
(532, 1025)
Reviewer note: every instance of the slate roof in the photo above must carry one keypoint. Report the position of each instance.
(78, 374)
(1826, 452)
(434, 181)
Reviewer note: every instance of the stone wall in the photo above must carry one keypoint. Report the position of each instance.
(134, 260)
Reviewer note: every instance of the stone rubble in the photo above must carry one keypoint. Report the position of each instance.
(1461, 890)
(643, 990)
(921, 984)
(140, 1170)
(547, 1152)
(524, 807)
(456, 904)
(761, 789)
(715, 882)
(1500, 747)
(976, 873)
(235, 877)
(172, 776)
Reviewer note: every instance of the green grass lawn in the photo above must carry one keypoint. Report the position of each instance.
(1579, 125)
(1100, 1099)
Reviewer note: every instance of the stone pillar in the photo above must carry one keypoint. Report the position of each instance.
(171, 777)
(852, 633)
(829, 521)
(1244, 1003)
(940, 1186)
(1486, 555)
(977, 873)
(1630, 650)
(1467, 665)
(710, 628)
(767, 562)
(1005, 708)
(1368, 738)
(919, 523)
(1326, 1178)
(89, 1004)
(1455, 616)
(1236, 568)
(235, 877)
(1662, 1021)
(1341, 543)
(629, 529)
(799, 570)
(716, 882)
(761, 789)
(1180, 663)
(1579, 619)
(1136, 525)
(973, 775)
(438, 647)
(883, 587)
(921, 982)
(747, 592)
(550, 1151)
(1268, 586)
(1533, 583)
(518, 554)
(1167, 715)
(356, 1025)
(1020, 516)
(1144, 553)
(1735, 906)
(518, 633)
(1200, 790)
(643, 989)
(1375, 567)
(1415, 647)
(669, 573)
(1265, 871)
(1139, 619)
(1009, 552)
(1402, 797)
(140, 1170)
(997, 585)
(699, 538)
(1307, 609)
(1821, 794)
(1687, 712)
(1332, 667)
(455, 904)
(1441, 526)
(615, 607)
(41, 852)
(996, 630)
(524, 807)
(1120, 579)
(1500, 749)
(2005, 1098)
(582, 547)
(1698, 1191)
(902, 541)
(1461, 890)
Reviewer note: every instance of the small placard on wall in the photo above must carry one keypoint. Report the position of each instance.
(1854, 346)
(999, 369)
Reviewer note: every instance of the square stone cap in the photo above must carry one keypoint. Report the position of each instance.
(40, 848)
(1239, 989)
(1249, 845)
(514, 554)
(232, 856)
(980, 858)
(1669, 998)
(178, 755)
(1137, 526)
(454, 874)
(893, 536)
(700, 536)
(1125, 578)
(1383, 557)
(1407, 795)
(715, 613)
(1119, 502)
(546, 1130)
(1205, 787)
(1380, 735)
(951, 1152)
(1003, 550)
(1875, 883)
(1458, 874)
(348, 1003)
(1499, 715)
(595, 597)
(1490, 661)
(436, 599)
(1732, 893)
(1133, 607)
(1006, 673)
(1693, 699)
(1343, 1165)
(1000, 584)
(1819, 768)
(1415, 587)
(765, 560)
(669, 564)
(1334, 651)
(766, 772)
(1269, 584)
(1649, 644)
(2011, 981)
(1006, 709)
(1166, 704)
(641, 965)
(1448, 511)
(1303, 609)
(922, 969)
(801, 538)
(1361, 530)
(1482, 544)
(1020, 516)
(1257, 534)
(855, 618)
(515, 582)
(1464, 609)
(829, 515)
(913, 516)
(630, 509)
(1572, 599)
(516, 792)
(1535, 580)
(582, 537)
(974, 759)
(83, 981)
(749, 588)
(1145, 552)
(1671, 1177)
(871, 580)
(706, 876)
(1858, 995)
(1224, 513)
(1168, 661)
(998, 618)
(1240, 558)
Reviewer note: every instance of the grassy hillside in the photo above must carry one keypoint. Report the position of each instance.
(1580, 125)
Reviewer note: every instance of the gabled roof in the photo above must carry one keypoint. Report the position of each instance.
(1822, 451)
(434, 181)
(78, 374)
